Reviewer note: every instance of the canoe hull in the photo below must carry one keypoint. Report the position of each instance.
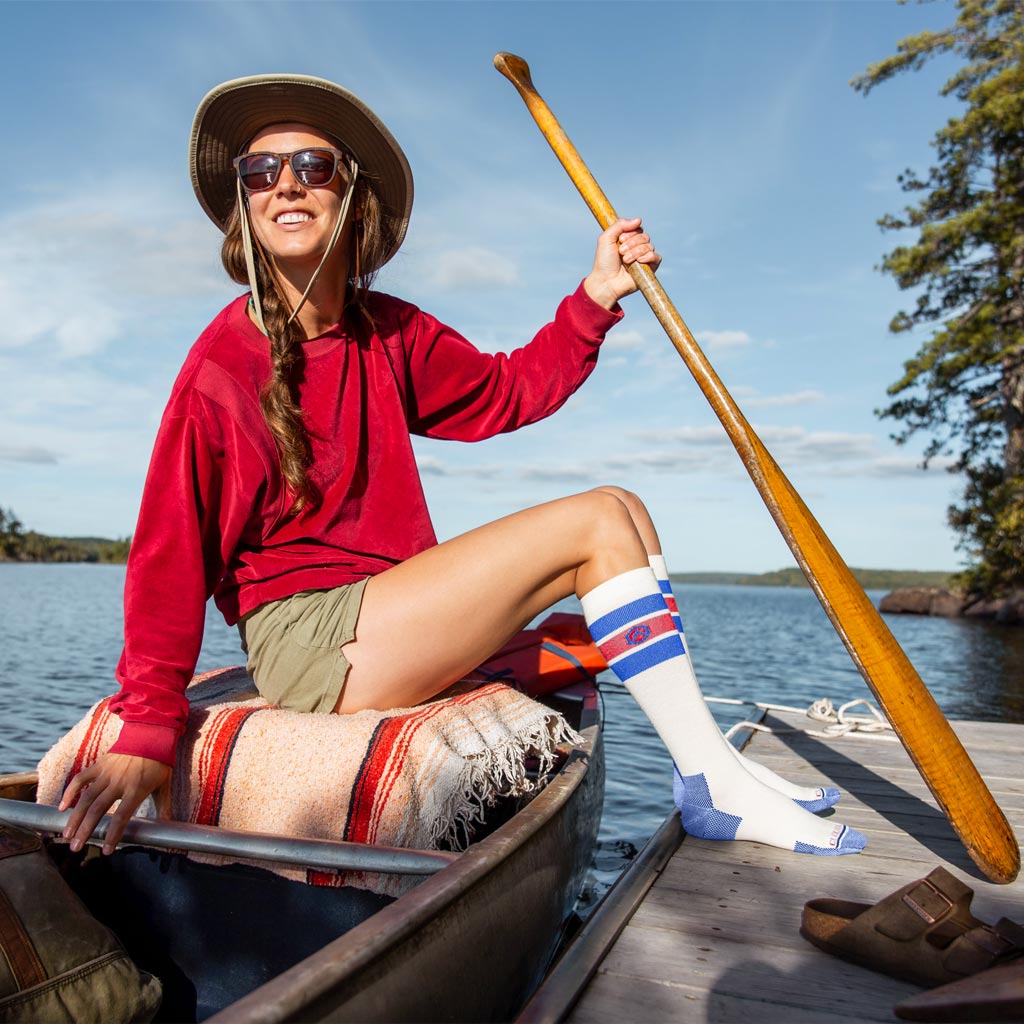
(472, 942)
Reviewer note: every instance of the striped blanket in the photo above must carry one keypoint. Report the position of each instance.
(415, 777)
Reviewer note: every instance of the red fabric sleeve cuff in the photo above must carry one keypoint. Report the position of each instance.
(590, 318)
(157, 742)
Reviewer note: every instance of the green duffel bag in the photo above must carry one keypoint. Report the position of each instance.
(57, 962)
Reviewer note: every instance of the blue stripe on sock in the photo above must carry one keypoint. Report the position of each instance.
(666, 586)
(603, 627)
(647, 657)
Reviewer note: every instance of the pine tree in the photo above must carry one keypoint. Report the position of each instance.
(965, 385)
(11, 534)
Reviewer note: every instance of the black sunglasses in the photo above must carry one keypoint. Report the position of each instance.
(313, 168)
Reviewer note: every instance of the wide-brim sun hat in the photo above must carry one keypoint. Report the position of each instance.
(231, 114)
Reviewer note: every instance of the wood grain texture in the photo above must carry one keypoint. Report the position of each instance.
(917, 720)
(19, 785)
(717, 937)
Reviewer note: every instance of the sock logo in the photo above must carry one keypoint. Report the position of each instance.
(638, 634)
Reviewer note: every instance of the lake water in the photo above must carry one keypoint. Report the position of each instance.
(60, 637)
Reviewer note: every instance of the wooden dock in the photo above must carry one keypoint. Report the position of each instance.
(716, 938)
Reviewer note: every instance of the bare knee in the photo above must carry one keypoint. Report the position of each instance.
(606, 540)
(628, 498)
(638, 513)
(607, 514)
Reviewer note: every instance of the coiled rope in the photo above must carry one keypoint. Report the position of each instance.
(836, 721)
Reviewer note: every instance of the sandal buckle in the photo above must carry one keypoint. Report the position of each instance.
(932, 891)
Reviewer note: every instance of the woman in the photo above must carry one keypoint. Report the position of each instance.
(283, 481)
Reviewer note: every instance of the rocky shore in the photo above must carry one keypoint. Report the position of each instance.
(951, 604)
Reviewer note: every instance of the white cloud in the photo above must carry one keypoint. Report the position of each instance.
(721, 340)
(471, 268)
(710, 435)
(902, 466)
(79, 269)
(575, 473)
(35, 392)
(692, 450)
(430, 465)
(27, 453)
(88, 330)
(782, 401)
(623, 341)
(665, 461)
(820, 446)
(829, 453)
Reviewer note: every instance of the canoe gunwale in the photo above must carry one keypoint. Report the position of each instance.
(322, 854)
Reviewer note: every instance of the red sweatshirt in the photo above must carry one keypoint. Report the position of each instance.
(214, 517)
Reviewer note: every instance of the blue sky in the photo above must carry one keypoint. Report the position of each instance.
(730, 127)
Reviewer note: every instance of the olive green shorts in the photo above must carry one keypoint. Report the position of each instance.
(294, 646)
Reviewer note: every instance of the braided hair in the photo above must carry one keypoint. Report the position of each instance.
(279, 396)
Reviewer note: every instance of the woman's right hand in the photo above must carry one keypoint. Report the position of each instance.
(619, 245)
(113, 777)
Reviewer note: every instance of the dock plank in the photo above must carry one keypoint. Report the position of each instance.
(619, 999)
(774, 976)
(717, 937)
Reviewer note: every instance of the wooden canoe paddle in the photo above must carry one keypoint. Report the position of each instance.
(923, 729)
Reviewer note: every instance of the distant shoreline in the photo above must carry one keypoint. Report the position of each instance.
(869, 579)
(103, 552)
(31, 548)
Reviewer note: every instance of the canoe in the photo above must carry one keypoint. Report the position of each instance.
(471, 941)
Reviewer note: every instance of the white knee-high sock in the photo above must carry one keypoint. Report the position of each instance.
(632, 627)
(816, 799)
(660, 569)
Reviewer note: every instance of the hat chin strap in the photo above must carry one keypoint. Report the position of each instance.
(250, 261)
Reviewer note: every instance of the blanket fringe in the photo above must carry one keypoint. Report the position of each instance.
(498, 773)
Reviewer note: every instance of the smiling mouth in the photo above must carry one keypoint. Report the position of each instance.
(293, 217)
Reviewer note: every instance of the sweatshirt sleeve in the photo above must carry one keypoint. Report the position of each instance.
(459, 393)
(190, 520)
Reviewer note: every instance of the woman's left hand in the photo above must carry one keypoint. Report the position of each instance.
(620, 245)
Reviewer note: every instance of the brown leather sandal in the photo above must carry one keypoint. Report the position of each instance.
(996, 994)
(923, 933)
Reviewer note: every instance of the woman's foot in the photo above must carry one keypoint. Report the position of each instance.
(759, 814)
(812, 800)
(720, 798)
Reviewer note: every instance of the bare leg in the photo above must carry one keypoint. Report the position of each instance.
(428, 621)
